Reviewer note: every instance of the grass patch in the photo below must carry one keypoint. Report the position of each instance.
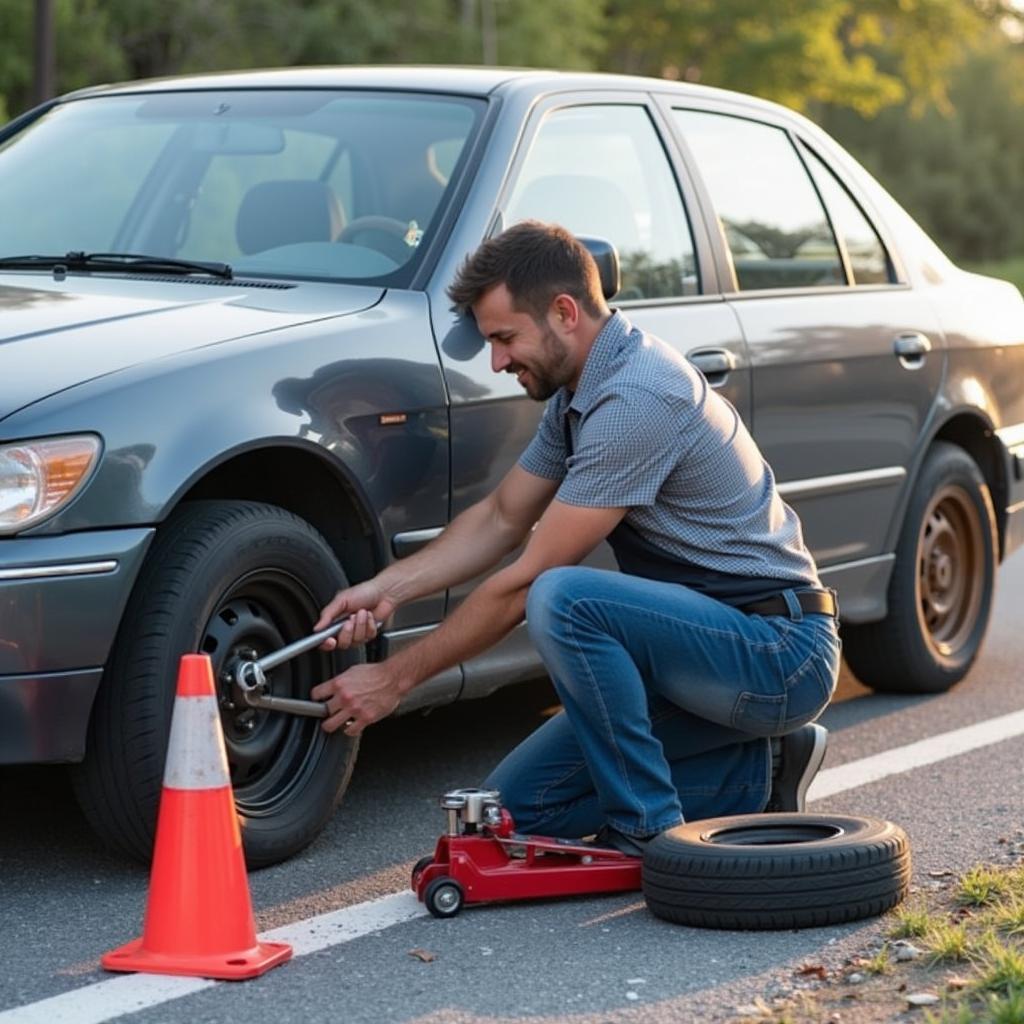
(970, 931)
(1007, 1009)
(1000, 968)
(881, 962)
(1007, 917)
(912, 922)
(983, 885)
(1008, 270)
(947, 943)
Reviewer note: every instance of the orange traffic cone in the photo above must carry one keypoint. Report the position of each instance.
(199, 916)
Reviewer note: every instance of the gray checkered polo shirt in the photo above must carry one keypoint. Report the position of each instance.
(649, 435)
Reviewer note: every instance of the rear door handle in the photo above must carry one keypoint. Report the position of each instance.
(911, 348)
(714, 363)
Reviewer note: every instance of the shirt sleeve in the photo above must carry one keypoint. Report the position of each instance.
(628, 445)
(545, 455)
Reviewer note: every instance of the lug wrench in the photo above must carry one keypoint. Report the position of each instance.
(252, 679)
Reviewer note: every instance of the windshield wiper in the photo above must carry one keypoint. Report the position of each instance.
(131, 262)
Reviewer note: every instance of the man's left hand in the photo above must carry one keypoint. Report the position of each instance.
(360, 696)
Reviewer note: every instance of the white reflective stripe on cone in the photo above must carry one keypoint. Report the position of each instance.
(195, 753)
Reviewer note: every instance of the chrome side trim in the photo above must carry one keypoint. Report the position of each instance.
(403, 544)
(813, 487)
(38, 572)
(859, 563)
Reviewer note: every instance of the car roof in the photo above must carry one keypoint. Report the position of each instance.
(468, 81)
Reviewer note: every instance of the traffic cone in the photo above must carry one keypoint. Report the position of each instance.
(198, 915)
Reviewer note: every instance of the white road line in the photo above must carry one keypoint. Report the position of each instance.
(915, 755)
(106, 1000)
(316, 933)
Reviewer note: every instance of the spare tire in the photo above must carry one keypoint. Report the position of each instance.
(776, 871)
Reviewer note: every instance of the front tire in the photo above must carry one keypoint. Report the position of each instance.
(942, 586)
(224, 579)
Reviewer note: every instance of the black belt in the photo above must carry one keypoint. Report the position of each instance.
(813, 602)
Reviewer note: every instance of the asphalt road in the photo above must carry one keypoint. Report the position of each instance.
(64, 901)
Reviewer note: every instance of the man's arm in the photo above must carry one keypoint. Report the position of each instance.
(474, 542)
(364, 694)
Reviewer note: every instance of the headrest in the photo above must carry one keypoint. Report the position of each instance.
(277, 213)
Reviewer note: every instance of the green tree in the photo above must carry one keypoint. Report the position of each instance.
(863, 54)
(956, 169)
(87, 53)
(100, 40)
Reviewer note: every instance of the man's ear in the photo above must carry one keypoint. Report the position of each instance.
(566, 311)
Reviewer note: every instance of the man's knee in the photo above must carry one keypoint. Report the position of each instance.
(550, 598)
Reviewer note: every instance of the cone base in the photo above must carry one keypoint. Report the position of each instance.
(247, 963)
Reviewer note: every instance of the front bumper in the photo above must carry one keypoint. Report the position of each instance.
(61, 601)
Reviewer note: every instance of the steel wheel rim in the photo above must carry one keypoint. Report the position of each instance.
(278, 753)
(950, 570)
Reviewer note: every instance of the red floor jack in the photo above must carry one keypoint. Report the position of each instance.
(482, 859)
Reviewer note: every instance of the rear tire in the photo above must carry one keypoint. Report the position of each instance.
(220, 577)
(761, 871)
(942, 586)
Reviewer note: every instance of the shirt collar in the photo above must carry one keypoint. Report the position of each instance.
(610, 341)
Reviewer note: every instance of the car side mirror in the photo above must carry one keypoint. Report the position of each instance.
(607, 260)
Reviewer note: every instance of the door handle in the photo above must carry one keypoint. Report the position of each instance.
(714, 363)
(911, 348)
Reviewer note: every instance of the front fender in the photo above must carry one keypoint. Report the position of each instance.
(366, 389)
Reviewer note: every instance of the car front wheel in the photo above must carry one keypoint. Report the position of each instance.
(940, 594)
(230, 580)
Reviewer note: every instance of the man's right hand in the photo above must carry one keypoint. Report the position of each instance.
(365, 605)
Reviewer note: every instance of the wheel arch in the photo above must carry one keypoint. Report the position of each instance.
(300, 479)
(976, 436)
(973, 432)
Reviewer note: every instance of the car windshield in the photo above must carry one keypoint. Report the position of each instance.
(342, 185)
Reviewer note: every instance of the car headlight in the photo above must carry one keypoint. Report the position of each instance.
(39, 477)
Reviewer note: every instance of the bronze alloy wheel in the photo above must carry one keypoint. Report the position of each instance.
(942, 582)
(951, 570)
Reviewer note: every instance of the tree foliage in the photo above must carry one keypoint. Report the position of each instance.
(862, 54)
(957, 170)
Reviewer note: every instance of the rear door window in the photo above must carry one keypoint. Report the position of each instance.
(869, 261)
(771, 216)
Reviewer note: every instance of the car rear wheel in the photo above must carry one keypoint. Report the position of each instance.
(227, 579)
(940, 594)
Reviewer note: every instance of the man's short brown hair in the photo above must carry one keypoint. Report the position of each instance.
(536, 262)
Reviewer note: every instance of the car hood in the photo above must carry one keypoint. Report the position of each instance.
(54, 335)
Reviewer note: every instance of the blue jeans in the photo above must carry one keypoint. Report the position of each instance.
(670, 697)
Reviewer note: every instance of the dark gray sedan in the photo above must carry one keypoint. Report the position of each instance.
(230, 382)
